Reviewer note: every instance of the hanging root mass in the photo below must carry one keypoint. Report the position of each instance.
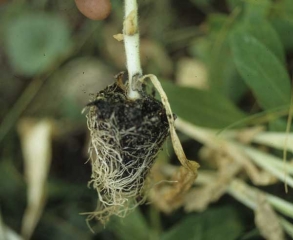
(126, 136)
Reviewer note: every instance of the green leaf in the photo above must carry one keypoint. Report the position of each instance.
(217, 51)
(281, 18)
(262, 30)
(34, 41)
(234, 3)
(132, 227)
(202, 3)
(213, 224)
(278, 125)
(261, 70)
(256, 9)
(204, 108)
(284, 27)
(216, 22)
(223, 76)
(283, 8)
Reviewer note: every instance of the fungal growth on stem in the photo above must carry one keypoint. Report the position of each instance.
(128, 128)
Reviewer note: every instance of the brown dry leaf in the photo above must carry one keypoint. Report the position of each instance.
(267, 221)
(119, 37)
(35, 136)
(198, 199)
(187, 173)
(184, 178)
(160, 186)
(248, 134)
(169, 195)
(192, 73)
(156, 198)
(257, 176)
(260, 177)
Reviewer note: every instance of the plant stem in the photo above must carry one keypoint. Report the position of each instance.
(131, 44)
(267, 162)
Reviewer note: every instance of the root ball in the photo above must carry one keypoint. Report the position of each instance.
(126, 136)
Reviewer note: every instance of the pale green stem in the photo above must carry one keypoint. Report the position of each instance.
(281, 205)
(247, 195)
(268, 163)
(287, 226)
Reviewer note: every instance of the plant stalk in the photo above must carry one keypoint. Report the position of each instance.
(131, 44)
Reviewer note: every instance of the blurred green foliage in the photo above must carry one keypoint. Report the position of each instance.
(34, 41)
(261, 70)
(246, 46)
(204, 108)
(195, 226)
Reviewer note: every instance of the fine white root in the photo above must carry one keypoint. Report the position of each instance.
(116, 183)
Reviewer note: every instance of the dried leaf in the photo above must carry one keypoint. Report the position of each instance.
(246, 135)
(257, 176)
(36, 147)
(184, 178)
(225, 148)
(119, 37)
(267, 221)
(198, 199)
(169, 195)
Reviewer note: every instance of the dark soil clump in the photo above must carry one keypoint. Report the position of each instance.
(126, 136)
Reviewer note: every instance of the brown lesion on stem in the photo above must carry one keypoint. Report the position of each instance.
(130, 27)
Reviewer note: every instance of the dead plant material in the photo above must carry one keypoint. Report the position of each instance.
(173, 196)
(119, 37)
(169, 195)
(257, 176)
(267, 221)
(184, 179)
(199, 198)
(36, 137)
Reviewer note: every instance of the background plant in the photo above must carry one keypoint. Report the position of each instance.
(226, 66)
